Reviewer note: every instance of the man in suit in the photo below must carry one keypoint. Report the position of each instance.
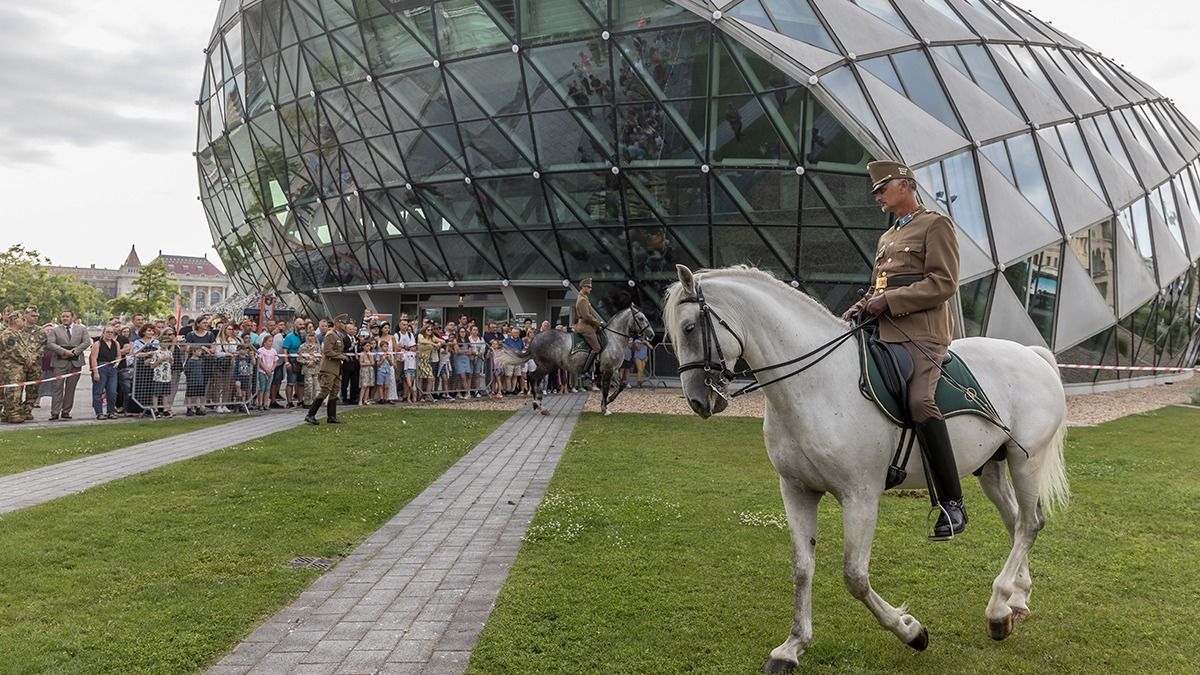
(333, 355)
(587, 322)
(69, 343)
(915, 275)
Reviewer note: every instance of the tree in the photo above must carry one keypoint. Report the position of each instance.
(26, 279)
(153, 292)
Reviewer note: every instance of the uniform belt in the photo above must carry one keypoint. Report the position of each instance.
(904, 280)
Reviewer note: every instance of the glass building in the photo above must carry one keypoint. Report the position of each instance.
(480, 156)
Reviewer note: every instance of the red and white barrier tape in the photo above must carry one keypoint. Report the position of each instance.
(77, 373)
(1136, 369)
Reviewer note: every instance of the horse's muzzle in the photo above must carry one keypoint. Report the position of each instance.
(712, 404)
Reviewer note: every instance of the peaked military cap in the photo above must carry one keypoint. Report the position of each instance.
(585, 282)
(342, 318)
(884, 170)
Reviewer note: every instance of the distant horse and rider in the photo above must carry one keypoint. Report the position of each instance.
(594, 343)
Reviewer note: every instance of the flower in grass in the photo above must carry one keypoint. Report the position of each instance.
(763, 519)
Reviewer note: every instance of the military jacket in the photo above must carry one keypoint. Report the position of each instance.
(587, 321)
(916, 269)
(12, 350)
(332, 352)
(35, 342)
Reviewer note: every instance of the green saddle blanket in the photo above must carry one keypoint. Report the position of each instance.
(965, 399)
(579, 344)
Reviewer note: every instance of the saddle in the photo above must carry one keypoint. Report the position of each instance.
(885, 371)
(579, 344)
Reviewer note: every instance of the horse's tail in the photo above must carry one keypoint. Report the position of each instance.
(1053, 488)
(508, 357)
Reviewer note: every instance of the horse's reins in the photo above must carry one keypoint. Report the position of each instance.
(708, 337)
(633, 311)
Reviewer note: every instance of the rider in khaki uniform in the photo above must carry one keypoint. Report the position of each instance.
(915, 275)
(587, 322)
(333, 355)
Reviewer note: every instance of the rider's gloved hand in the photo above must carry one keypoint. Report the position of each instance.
(877, 305)
(849, 314)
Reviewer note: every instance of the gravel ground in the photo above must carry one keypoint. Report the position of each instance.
(1082, 410)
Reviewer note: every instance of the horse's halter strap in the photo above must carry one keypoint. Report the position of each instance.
(708, 333)
(644, 324)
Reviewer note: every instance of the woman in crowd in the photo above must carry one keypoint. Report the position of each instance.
(461, 363)
(203, 336)
(268, 358)
(101, 362)
(366, 370)
(170, 337)
(427, 349)
(478, 362)
(406, 344)
(222, 363)
(385, 372)
(143, 347)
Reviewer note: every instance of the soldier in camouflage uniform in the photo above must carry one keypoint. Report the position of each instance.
(12, 366)
(36, 343)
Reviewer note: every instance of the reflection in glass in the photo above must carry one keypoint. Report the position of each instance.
(1027, 167)
(465, 28)
(796, 19)
(1170, 212)
(1035, 282)
(973, 298)
(922, 86)
(1093, 248)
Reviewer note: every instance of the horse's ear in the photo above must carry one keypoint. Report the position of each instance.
(686, 278)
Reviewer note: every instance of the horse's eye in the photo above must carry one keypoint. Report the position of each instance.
(690, 327)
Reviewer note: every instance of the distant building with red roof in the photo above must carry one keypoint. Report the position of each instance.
(201, 283)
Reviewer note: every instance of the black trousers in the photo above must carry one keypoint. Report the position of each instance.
(350, 381)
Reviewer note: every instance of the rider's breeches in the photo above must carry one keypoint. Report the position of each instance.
(923, 385)
(592, 340)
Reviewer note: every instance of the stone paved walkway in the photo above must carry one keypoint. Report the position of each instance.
(415, 595)
(36, 486)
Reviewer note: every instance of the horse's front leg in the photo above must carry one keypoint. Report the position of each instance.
(800, 505)
(605, 384)
(859, 513)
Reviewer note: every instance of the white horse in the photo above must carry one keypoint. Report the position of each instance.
(823, 436)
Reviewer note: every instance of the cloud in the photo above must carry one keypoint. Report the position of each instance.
(56, 92)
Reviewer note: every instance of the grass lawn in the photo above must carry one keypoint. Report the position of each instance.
(662, 548)
(30, 448)
(165, 571)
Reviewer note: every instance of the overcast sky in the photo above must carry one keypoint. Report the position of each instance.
(98, 124)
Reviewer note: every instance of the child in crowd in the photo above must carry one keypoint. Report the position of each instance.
(243, 370)
(193, 370)
(160, 378)
(385, 371)
(366, 371)
(310, 365)
(410, 373)
(497, 387)
(267, 360)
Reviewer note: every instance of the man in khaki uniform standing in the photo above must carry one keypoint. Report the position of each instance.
(333, 354)
(587, 322)
(915, 275)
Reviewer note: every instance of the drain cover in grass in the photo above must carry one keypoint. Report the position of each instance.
(307, 561)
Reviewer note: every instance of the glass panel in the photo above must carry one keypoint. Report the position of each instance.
(552, 21)
(566, 68)
(563, 143)
(973, 298)
(674, 62)
(1078, 157)
(1089, 352)
(526, 259)
(984, 72)
(743, 246)
(769, 197)
(944, 10)
(390, 47)
(1112, 141)
(966, 206)
(1028, 169)
(884, 10)
(751, 11)
(829, 145)
(1035, 281)
(842, 84)
(741, 133)
(421, 93)
(595, 197)
(1170, 212)
(883, 69)
(465, 28)
(797, 19)
(631, 14)
(679, 196)
(826, 254)
(1185, 193)
(1093, 248)
(923, 87)
(1135, 220)
(951, 55)
(997, 153)
(848, 197)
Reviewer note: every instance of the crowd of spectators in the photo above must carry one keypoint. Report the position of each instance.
(220, 364)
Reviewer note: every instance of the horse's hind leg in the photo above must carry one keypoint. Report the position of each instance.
(800, 504)
(996, 486)
(1006, 589)
(859, 513)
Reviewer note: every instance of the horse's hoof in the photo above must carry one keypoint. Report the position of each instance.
(778, 666)
(544, 411)
(607, 413)
(920, 642)
(998, 630)
(1020, 613)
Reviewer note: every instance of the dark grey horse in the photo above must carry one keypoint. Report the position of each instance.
(551, 351)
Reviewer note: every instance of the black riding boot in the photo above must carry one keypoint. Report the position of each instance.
(940, 455)
(311, 417)
(331, 412)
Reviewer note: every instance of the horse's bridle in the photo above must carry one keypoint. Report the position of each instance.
(708, 337)
(634, 312)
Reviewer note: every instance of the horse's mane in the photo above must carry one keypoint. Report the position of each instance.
(675, 292)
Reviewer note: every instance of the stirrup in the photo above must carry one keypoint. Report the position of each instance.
(929, 528)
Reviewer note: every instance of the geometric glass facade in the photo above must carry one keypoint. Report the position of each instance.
(355, 146)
